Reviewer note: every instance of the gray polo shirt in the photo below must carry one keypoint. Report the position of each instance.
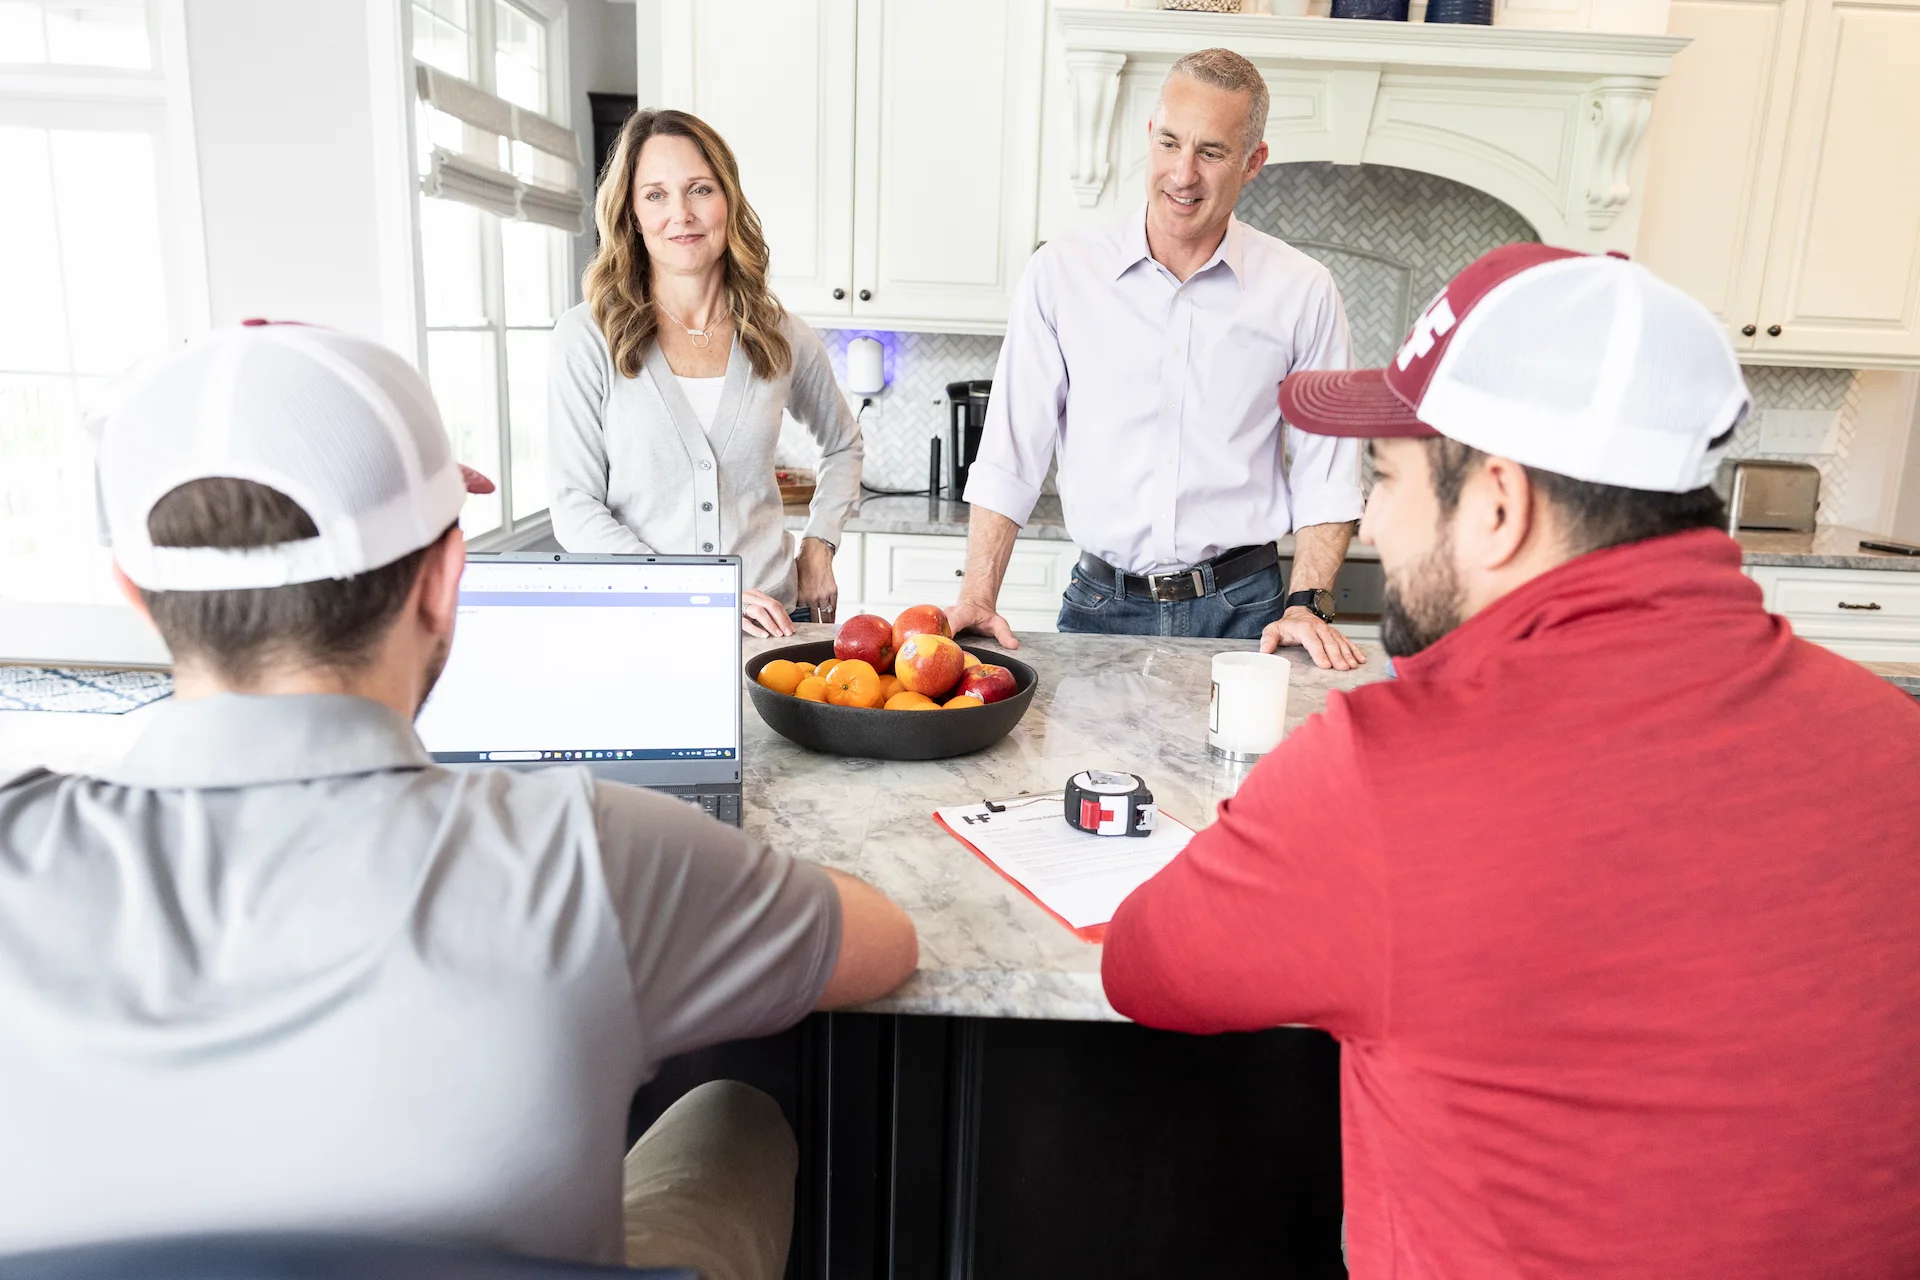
(279, 971)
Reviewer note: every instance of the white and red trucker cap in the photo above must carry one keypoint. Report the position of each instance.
(1585, 365)
(341, 425)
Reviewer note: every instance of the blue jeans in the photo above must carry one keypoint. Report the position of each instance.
(1240, 612)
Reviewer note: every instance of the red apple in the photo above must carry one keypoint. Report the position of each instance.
(928, 664)
(987, 683)
(920, 619)
(867, 637)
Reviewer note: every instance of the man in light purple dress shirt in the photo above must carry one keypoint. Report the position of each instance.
(1149, 353)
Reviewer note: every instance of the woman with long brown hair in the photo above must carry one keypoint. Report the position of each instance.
(667, 384)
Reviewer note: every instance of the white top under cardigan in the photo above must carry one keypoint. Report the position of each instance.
(634, 471)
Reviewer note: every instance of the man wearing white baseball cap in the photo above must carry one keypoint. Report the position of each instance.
(1619, 939)
(278, 971)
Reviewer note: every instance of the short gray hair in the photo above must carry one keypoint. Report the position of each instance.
(1225, 69)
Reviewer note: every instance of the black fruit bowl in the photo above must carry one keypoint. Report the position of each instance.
(888, 735)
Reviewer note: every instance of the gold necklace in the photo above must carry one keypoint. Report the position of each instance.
(698, 337)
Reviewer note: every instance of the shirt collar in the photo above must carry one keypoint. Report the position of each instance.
(1133, 249)
(243, 740)
(1696, 573)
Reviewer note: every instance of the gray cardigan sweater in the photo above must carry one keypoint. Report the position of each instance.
(632, 470)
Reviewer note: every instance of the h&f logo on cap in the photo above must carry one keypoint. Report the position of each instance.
(1433, 324)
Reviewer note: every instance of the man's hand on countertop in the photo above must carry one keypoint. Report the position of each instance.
(965, 615)
(1322, 641)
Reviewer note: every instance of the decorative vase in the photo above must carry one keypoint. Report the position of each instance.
(1373, 10)
(1472, 12)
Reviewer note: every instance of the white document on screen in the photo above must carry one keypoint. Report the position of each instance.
(1079, 877)
(588, 663)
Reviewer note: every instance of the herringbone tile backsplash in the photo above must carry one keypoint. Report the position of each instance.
(1391, 238)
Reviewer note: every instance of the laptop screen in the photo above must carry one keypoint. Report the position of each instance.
(628, 664)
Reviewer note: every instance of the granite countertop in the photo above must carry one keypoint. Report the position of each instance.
(1132, 702)
(1830, 546)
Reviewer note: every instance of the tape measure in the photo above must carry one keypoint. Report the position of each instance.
(1106, 802)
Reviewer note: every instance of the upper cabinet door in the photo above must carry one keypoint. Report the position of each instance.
(1843, 270)
(1714, 147)
(776, 78)
(948, 137)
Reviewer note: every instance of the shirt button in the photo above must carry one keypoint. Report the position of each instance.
(706, 506)
(1176, 351)
(706, 546)
(706, 466)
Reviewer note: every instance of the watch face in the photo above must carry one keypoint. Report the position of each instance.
(1323, 603)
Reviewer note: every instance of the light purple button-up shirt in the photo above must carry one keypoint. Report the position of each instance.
(1161, 397)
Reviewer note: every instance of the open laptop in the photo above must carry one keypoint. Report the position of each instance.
(629, 665)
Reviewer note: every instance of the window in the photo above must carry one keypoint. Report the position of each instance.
(99, 269)
(499, 206)
(95, 33)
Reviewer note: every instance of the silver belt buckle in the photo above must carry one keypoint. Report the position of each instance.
(1160, 585)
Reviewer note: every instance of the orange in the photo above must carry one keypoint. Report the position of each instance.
(780, 676)
(804, 668)
(889, 685)
(825, 669)
(853, 684)
(962, 702)
(908, 701)
(812, 689)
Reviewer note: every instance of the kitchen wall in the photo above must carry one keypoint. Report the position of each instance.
(1392, 238)
(601, 37)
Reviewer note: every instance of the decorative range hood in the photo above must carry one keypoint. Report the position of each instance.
(1547, 121)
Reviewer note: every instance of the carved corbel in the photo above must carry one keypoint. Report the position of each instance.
(1095, 77)
(1618, 112)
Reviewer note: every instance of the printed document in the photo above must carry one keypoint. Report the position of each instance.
(1079, 877)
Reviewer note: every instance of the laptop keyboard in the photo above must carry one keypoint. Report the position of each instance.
(724, 807)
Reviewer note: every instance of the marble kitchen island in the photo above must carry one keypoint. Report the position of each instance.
(1137, 703)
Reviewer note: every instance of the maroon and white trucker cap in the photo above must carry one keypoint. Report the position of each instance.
(1589, 366)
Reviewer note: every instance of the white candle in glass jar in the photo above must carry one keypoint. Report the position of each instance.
(1247, 714)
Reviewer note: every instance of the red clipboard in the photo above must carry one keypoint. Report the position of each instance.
(1095, 933)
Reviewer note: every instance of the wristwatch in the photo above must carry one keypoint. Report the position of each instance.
(1318, 602)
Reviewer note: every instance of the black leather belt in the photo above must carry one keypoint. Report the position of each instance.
(1228, 568)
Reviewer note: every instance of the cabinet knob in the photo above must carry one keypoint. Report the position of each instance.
(1773, 331)
(866, 295)
(1746, 330)
(839, 295)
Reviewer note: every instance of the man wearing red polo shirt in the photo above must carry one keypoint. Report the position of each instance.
(1622, 941)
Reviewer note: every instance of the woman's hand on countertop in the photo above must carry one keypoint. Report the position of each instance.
(762, 615)
(817, 591)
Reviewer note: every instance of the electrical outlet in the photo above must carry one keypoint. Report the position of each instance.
(1799, 430)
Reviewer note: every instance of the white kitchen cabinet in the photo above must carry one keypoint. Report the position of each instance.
(891, 147)
(1773, 192)
(776, 78)
(1843, 268)
(1864, 614)
(903, 569)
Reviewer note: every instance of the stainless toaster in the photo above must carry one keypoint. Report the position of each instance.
(1770, 495)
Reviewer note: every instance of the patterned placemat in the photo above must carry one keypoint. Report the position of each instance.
(98, 690)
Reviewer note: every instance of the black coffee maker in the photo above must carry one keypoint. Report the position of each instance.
(966, 415)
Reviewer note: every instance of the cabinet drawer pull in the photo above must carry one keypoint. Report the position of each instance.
(1871, 606)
